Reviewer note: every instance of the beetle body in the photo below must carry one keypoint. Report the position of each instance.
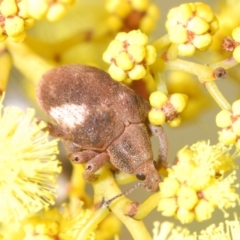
(99, 119)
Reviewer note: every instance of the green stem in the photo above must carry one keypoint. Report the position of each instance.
(106, 188)
(205, 76)
(161, 42)
(98, 216)
(226, 63)
(204, 73)
(217, 96)
(145, 208)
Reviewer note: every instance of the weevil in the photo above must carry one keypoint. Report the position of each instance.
(101, 120)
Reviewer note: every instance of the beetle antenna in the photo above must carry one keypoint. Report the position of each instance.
(125, 193)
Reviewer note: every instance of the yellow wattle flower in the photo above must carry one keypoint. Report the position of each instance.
(190, 26)
(129, 56)
(29, 167)
(198, 183)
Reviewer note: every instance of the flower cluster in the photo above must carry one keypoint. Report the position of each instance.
(129, 56)
(51, 9)
(166, 108)
(229, 121)
(29, 166)
(203, 177)
(14, 19)
(64, 223)
(191, 26)
(129, 15)
(17, 16)
(196, 184)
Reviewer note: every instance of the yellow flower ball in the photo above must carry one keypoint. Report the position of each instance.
(236, 127)
(179, 101)
(236, 107)
(223, 119)
(236, 53)
(175, 122)
(158, 99)
(156, 117)
(236, 34)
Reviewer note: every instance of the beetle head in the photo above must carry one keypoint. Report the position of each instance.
(149, 175)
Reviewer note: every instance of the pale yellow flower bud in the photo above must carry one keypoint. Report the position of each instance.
(236, 34)
(116, 73)
(236, 108)
(167, 206)
(120, 8)
(137, 37)
(122, 36)
(236, 53)
(140, 5)
(179, 101)
(156, 117)
(185, 154)
(184, 215)
(204, 11)
(158, 99)
(214, 26)
(18, 38)
(137, 52)
(114, 22)
(178, 34)
(187, 197)
(223, 119)
(52, 10)
(203, 210)
(236, 127)
(169, 187)
(14, 26)
(137, 72)
(37, 8)
(123, 61)
(198, 25)
(202, 41)
(175, 122)
(148, 21)
(227, 136)
(186, 49)
(185, 13)
(8, 8)
(56, 12)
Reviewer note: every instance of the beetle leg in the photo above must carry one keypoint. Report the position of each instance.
(82, 157)
(163, 144)
(78, 155)
(94, 164)
(56, 131)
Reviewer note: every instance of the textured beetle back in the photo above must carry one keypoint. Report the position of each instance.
(86, 102)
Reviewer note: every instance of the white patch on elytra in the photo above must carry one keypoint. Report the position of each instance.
(69, 115)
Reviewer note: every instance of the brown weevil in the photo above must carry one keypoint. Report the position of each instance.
(101, 120)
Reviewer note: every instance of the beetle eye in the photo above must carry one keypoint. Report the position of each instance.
(141, 176)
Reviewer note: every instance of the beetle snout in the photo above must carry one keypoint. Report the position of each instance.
(152, 184)
(151, 177)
